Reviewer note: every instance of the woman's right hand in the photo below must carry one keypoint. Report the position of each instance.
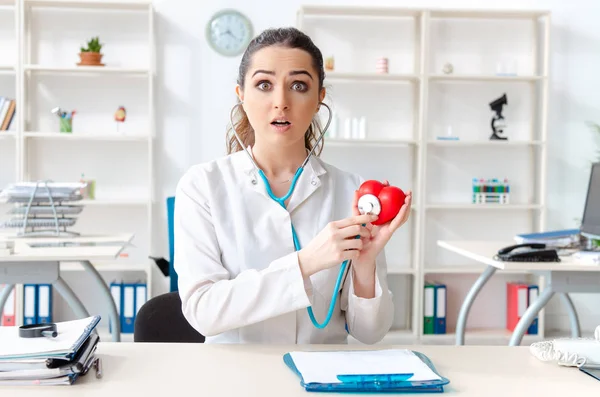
(336, 243)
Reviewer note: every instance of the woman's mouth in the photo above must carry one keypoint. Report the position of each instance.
(281, 125)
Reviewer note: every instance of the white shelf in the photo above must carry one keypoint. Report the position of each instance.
(7, 69)
(314, 11)
(7, 135)
(487, 14)
(123, 266)
(369, 142)
(100, 4)
(501, 336)
(481, 78)
(467, 270)
(485, 207)
(428, 102)
(369, 77)
(85, 137)
(488, 143)
(76, 70)
(114, 202)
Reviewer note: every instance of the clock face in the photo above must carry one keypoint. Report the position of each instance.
(229, 32)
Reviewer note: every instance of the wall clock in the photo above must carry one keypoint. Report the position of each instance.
(228, 32)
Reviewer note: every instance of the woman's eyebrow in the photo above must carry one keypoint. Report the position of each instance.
(263, 71)
(292, 73)
(297, 72)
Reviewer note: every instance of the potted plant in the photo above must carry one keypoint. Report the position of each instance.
(91, 55)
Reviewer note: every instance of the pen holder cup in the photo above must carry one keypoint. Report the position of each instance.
(66, 125)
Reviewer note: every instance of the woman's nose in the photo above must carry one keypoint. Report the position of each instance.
(281, 100)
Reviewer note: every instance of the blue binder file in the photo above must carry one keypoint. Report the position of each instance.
(30, 302)
(439, 324)
(533, 292)
(116, 290)
(141, 295)
(128, 309)
(372, 382)
(44, 301)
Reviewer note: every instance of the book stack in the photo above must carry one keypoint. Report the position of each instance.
(7, 112)
(47, 360)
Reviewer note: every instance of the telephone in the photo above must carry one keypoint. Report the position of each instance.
(528, 252)
(570, 352)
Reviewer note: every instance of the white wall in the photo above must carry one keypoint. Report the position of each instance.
(195, 90)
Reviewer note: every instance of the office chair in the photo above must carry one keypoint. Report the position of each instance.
(160, 319)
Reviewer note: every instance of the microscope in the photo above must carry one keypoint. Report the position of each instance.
(498, 124)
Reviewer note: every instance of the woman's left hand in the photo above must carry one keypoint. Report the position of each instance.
(381, 234)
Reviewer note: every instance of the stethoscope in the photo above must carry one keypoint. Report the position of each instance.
(281, 201)
(48, 330)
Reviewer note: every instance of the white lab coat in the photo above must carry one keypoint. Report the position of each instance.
(238, 271)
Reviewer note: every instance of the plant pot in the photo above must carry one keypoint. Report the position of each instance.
(90, 59)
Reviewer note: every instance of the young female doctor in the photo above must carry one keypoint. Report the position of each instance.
(241, 277)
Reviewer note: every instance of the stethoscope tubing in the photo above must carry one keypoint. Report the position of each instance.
(281, 201)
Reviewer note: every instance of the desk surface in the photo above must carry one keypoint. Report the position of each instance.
(484, 251)
(108, 248)
(249, 370)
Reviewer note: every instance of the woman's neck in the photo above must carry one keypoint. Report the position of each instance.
(279, 164)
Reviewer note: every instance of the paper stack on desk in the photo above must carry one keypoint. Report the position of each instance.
(45, 360)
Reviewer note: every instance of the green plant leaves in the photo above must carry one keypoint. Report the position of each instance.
(93, 45)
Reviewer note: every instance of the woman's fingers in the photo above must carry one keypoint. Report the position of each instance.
(403, 214)
(354, 220)
(355, 210)
(352, 244)
(353, 231)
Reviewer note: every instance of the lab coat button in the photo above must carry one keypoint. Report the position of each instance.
(254, 181)
(314, 182)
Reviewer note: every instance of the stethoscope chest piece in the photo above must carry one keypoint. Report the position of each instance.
(369, 204)
(38, 330)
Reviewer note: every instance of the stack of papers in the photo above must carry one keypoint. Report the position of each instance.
(374, 370)
(553, 238)
(46, 360)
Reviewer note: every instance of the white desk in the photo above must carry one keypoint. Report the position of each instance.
(142, 369)
(561, 277)
(42, 265)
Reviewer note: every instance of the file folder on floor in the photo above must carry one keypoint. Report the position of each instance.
(392, 370)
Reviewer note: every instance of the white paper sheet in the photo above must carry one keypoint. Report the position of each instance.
(324, 367)
(69, 332)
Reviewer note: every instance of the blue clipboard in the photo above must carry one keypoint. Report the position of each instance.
(375, 383)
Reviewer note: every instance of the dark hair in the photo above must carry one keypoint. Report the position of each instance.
(290, 38)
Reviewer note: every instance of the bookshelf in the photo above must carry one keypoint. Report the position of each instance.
(409, 112)
(42, 73)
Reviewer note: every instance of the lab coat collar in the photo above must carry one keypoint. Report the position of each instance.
(307, 184)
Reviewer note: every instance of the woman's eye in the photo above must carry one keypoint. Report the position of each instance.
(299, 86)
(263, 85)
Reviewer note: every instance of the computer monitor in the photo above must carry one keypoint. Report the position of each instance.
(590, 224)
